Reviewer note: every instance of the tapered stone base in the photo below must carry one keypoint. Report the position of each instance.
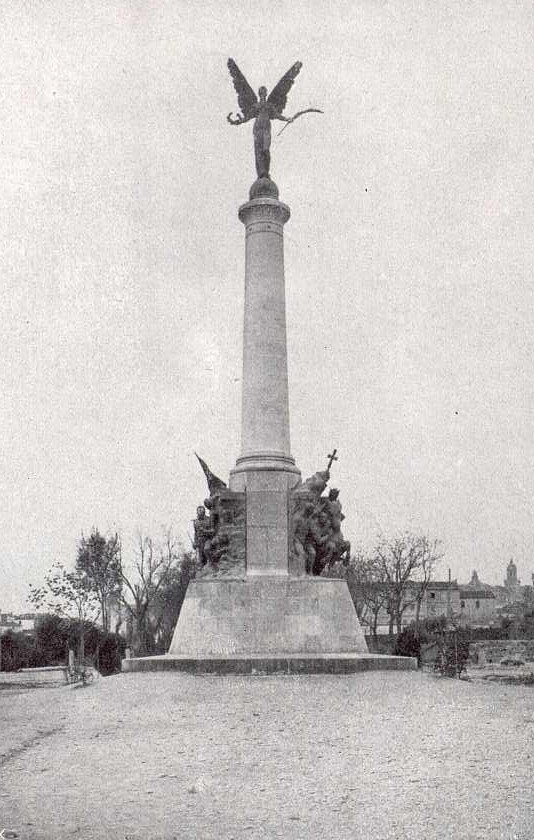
(267, 615)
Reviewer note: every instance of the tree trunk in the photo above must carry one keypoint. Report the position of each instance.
(81, 649)
(105, 615)
(374, 625)
(139, 634)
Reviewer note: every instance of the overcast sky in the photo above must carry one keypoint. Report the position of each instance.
(408, 266)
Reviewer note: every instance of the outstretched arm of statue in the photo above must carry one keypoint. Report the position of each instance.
(276, 116)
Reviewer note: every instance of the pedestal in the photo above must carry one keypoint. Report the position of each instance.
(268, 615)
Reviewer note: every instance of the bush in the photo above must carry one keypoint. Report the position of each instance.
(110, 653)
(18, 651)
(53, 638)
(414, 635)
(409, 643)
(452, 644)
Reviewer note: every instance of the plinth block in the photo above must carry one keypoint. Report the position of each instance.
(250, 665)
(267, 615)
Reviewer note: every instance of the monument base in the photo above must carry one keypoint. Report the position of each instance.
(267, 615)
(260, 625)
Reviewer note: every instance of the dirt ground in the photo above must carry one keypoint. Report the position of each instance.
(169, 755)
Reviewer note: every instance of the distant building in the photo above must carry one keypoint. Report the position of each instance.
(441, 598)
(8, 622)
(24, 623)
(27, 621)
(511, 582)
(477, 603)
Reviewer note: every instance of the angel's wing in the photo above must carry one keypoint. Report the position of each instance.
(245, 95)
(278, 95)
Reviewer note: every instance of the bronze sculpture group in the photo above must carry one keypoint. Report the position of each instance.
(219, 530)
(317, 541)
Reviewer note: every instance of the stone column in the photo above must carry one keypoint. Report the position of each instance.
(265, 469)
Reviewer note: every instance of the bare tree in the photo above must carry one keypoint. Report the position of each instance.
(152, 569)
(406, 564)
(429, 554)
(368, 585)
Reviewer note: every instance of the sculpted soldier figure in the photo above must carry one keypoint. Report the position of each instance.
(316, 483)
(341, 545)
(263, 110)
(332, 506)
(204, 533)
(217, 549)
(319, 547)
(301, 530)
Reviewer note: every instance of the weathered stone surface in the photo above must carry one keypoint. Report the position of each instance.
(312, 663)
(268, 615)
(265, 403)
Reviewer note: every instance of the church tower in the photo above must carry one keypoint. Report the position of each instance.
(511, 581)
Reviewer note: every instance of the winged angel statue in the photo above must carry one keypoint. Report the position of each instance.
(263, 110)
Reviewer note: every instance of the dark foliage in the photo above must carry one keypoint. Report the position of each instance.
(415, 635)
(53, 636)
(451, 644)
(18, 651)
(169, 599)
(110, 653)
(50, 643)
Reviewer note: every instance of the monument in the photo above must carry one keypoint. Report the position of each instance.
(265, 597)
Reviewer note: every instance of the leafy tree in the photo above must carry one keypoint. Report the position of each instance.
(68, 595)
(53, 637)
(99, 559)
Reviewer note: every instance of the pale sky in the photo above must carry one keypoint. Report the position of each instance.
(408, 266)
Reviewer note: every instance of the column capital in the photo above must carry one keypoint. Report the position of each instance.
(264, 210)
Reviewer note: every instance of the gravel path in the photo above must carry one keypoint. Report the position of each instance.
(165, 755)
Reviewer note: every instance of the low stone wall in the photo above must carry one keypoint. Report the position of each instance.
(53, 675)
(491, 651)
